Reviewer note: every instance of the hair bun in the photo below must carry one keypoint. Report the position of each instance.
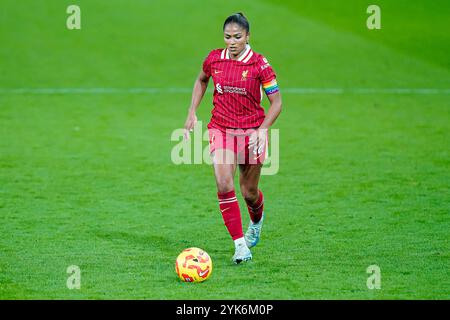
(238, 18)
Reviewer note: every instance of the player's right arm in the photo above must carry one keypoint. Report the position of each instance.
(200, 85)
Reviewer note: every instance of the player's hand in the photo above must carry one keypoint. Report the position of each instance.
(191, 121)
(257, 141)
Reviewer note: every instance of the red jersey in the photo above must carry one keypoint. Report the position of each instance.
(238, 86)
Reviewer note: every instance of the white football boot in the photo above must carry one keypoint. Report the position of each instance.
(242, 252)
(253, 232)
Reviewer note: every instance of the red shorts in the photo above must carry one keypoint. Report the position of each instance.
(236, 140)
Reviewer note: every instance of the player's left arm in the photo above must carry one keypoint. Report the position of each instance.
(274, 110)
(269, 83)
(258, 138)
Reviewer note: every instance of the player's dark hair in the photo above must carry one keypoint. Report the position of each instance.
(239, 19)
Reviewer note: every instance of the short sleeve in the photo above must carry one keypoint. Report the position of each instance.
(268, 77)
(207, 65)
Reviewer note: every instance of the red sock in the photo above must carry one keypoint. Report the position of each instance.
(256, 210)
(231, 213)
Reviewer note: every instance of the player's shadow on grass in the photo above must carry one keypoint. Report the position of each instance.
(147, 244)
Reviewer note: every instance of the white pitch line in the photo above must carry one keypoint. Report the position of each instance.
(92, 90)
(366, 91)
(302, 91)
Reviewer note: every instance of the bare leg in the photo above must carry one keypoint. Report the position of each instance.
(224, 169)
(249, 180)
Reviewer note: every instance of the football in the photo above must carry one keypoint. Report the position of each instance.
(193, 265)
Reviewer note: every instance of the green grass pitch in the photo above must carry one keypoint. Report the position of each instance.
(86, 178)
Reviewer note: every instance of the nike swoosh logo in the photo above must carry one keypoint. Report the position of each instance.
(202, 273)
(217, 71)
(224, 210)
(256, 158)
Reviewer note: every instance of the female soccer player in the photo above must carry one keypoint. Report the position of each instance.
(238, 127)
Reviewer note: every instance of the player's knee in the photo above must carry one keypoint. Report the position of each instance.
(250, 194)
(225, 184)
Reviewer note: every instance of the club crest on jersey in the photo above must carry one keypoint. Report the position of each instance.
(244, 75)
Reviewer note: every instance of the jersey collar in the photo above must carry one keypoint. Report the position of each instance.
(245, 57)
